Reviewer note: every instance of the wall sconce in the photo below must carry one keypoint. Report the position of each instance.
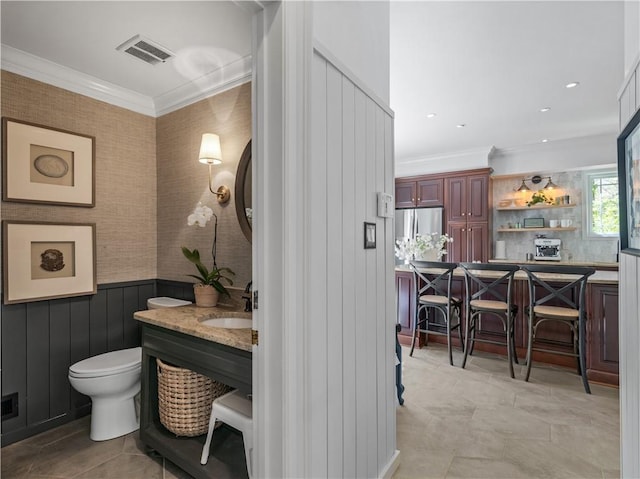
(535, 180)
(211, 154)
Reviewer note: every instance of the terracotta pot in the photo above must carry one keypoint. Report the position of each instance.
(206, 295)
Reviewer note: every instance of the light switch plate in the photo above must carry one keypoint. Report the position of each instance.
(385, 205)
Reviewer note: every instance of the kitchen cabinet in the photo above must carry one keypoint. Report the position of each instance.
(470, 242)
(602, 334)
(424, 193)
(467, 198)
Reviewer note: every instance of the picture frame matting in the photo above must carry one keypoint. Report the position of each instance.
(41, 164)
(44, 261)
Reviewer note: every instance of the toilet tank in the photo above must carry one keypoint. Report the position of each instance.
(165, 302)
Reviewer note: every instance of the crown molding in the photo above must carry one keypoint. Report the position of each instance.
(36, 68)
(225, 78)
(455, 160)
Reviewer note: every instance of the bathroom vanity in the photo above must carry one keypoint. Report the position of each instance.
(179, 337)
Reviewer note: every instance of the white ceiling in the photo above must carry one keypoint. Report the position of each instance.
(489, 65)
(493, 65)
(211, 40)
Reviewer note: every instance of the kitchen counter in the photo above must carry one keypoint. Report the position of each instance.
(599, 277)
(595, 264)
(602, 325)
(187, 320)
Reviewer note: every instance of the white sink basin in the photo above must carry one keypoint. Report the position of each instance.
(228, 323)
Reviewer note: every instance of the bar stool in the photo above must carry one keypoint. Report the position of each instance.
(234, 409)
(485, 294)
(560, 300)
(433, 291)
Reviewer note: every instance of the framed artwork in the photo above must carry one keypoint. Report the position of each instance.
(46, 165)
(629, 184)
(369, 235)
(47, 260)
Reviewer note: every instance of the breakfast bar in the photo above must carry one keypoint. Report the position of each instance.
(181, 337)
(602, 323)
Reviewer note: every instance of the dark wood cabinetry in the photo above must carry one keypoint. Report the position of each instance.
(602, 348)
(467, 199)
(602, 327)
(470, 241)
(423, 193)
(465, 196)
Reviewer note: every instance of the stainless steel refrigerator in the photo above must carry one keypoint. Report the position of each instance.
(413, 221)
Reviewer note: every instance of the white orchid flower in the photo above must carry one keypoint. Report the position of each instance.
(200, 216)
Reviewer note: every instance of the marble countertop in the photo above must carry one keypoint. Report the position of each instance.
(600, 277)
(595, 264)
(186, 319)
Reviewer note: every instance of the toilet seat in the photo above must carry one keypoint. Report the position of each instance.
(108, 364)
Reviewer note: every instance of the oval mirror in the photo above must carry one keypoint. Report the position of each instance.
(243, 192)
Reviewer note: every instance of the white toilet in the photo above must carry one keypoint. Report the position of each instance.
(165, 302)
(112, 380)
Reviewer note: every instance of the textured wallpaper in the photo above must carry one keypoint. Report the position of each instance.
(125, 163)
(183, 182)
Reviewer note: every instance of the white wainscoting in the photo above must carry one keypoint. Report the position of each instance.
(350, 340)
(629, 366)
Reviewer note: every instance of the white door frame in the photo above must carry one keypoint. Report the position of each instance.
(282, 52)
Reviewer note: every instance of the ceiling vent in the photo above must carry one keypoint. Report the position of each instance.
(145, 50)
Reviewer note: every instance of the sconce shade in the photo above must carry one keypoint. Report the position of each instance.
(210, 151)
(550, 185)
(523, 187)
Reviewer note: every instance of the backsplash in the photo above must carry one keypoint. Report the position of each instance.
(576, 246)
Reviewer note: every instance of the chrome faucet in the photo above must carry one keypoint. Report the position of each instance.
(248, 307)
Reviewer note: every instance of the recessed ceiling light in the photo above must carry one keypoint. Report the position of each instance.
(572, 84)
(431, 115)
(461, 125)
(545, 140)
(545, 109)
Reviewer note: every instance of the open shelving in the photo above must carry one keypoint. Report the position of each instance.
(534, 207)
(524, 230)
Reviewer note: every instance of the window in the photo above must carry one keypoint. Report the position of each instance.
(602, 207)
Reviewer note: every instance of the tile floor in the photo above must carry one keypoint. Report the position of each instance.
(67, 452)
(479, 423)
(455, 423)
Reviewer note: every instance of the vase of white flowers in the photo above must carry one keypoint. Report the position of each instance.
(424, 247)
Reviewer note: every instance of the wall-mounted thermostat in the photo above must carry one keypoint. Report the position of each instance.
(385, 205)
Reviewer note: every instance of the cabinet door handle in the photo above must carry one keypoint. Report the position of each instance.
(418, 199)
(413, 200)
(469, 229)
(463, 214)
(463, 230)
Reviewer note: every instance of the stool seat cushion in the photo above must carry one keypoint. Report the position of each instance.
(556, 312)
(435, 299)
(488, 305)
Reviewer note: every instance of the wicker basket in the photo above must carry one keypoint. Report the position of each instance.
(184, 399)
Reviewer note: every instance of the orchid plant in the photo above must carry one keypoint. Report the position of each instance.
(201, 216)
(416, 248)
